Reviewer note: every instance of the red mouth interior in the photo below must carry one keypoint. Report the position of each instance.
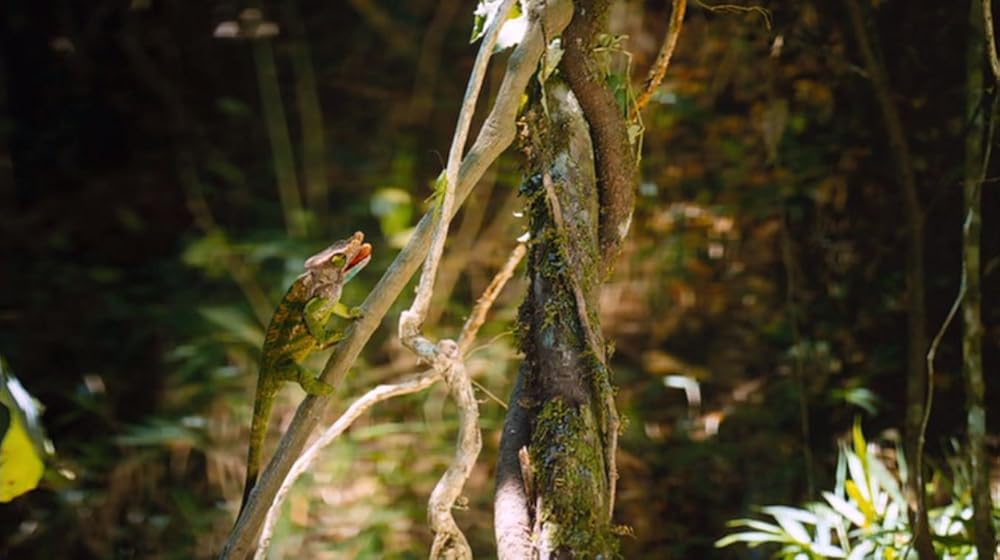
(363, 253)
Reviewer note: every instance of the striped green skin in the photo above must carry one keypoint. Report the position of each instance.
(287, 337)
(287, 342)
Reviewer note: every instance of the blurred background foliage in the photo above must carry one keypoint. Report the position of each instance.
(160, 187)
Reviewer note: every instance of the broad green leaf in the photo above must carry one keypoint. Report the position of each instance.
(236, 323)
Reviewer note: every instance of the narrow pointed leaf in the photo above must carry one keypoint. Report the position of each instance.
(843, 508)
(751, 538)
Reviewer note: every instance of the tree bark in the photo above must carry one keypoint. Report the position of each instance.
(556, 473)
(916, 372)
(976, 164)
(554, 449)
(614, 154)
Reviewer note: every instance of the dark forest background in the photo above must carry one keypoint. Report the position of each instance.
(143, 243)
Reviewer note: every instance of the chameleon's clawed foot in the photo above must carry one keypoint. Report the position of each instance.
(321, 389)
(313, 385)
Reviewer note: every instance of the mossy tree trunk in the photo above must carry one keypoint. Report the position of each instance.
(556, 475)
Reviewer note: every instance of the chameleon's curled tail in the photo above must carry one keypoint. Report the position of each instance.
(262, 406)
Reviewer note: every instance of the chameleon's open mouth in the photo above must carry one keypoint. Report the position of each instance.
(362, 257)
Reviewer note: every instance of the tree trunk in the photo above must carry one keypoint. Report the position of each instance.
(556, 473)
(557, 414)
(972, 340)
(917, 389)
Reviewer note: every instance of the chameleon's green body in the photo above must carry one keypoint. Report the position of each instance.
(298, 328)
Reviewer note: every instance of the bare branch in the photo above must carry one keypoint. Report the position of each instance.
(449, 541)
(978, 152)
(304, 463)
(991, 40)
(764, 13)
(495, 136)
(659, 68)
(445, 357)
(412, 319)
(916, 380)
(485, 301)
(408, 385)
(617, 164)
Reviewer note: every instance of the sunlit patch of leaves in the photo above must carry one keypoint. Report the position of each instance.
(863, 517)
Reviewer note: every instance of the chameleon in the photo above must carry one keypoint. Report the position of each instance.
(299, 327)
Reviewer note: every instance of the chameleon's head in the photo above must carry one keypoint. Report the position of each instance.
(338, 263)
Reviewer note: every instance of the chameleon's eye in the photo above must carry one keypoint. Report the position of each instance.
(338, 260)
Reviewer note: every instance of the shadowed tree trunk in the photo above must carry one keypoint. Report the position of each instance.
(976, 164)
(917, 389)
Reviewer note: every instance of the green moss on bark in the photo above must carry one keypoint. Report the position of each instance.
(570, 463)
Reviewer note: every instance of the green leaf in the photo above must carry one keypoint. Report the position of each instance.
(232, 107)
(842, 507)
(862, 551)
(860, 447)
(866, 506)
(208, 253)
(794, 529)
(859, 396)
(841, 475)
(752, 538)
(22, 464)
(859, 475)
(23, 445)
(901, 463)
(235, 323)
(886, 481)
(394, 209)
(805, 516)
(828, 551)
(157, 433)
